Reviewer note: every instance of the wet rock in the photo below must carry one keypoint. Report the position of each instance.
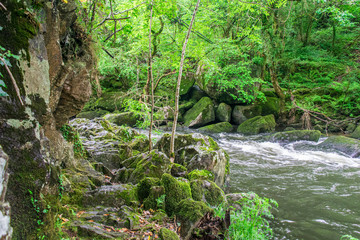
(218, 128)
(186, 83)
(296, 135)
(92, 114)
(97, 231)
(223, 112)
(200, 114)
(342, 144)
(256, 125)
(207, 191)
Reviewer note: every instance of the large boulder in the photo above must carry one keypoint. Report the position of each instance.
(242, 113)
(200, 114)
(342, 144)
(271, 105)
(223, 112)
(296, 135)
(207, 191)
(356, 133)
(196, 151)
(218, 127)
(256, 125)
(126, 118)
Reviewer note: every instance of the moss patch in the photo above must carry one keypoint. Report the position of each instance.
(256, 125)
(218, 128)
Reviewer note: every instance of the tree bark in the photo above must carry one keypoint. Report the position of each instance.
(177, 94)
(151, 79)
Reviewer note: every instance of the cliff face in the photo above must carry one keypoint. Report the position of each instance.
(53, 76)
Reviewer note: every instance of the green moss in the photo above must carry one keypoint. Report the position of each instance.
(207, 191)
(130, 196)
(223, 112)
(92, 114)
(175, 190)
(178, 170)
(186, 106)
(297, 135)
(166, 234)
(271, 106)
(145, 185)
(201, 174)
(205, 108)
(258, 124)
(153, 200)
(356, 133)
(192, 210)
(185, 85)
(160, 217)
(218, 128)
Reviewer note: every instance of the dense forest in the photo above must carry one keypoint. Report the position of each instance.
(179, 119)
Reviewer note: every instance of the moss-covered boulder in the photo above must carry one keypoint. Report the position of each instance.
(296, 135)
(153, 164)
(188, 212)
(126, 118)
(207, 191)
(109, 101)
(349, 146)
(271, 105)
(178, 170)
(175, 190)
(167, 234)
(356, 133)
(183, 107)
(201, 174)
(144, 187)
(223, 112)
(111, 195)
(242, 113)
(218, 128)
(256, 125)
(200, 114)
(156, 198)
(186, 84)
(196, 151)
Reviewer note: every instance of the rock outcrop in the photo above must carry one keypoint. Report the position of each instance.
(200, 114)
(258, 124)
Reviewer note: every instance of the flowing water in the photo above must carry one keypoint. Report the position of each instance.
(318, 192)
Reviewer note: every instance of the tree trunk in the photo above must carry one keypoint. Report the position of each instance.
(150, 79)
(172, 142)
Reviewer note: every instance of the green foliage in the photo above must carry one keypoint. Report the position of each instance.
(348, 237)
(251, 222)
(6, 56)
(71, 135)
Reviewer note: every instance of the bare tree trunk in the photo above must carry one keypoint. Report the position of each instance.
(172, 142)
(150, 75)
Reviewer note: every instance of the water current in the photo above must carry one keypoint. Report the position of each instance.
(318, 192)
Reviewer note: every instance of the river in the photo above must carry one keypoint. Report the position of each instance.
(318, 192)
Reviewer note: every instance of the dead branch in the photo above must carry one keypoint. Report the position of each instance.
(13, 81)
(1, 5)
(108, 53)
(112, 34)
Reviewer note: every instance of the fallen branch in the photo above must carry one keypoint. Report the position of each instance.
(13, 81)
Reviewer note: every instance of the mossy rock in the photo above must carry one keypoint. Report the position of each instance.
(186, 106)
(200, 114)
(201, 174)
(112, 196)
(296, 135)
(242, 113)
(110, 101)
(153, 164)
(271, 106)
(256, 125)
(178, 170)
(356, 133)
(207, 191)
(186, 85)
(223, 112)
(151, 202)
(188, 212)
(167, 234)
(92, 114)
(126, 118)
(349, 146)
(175, 190)
(144, 187)
(218, 128)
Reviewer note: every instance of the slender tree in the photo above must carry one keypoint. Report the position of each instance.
(177, 94)
(150, 76)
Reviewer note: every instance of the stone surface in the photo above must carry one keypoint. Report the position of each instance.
(200, 114)
(196, 151)
(256, 125)
(5, 228)
(126, 118)
(207, 191)
(356, 133)
(223, 112)
(218, 128)
(242, 113)
(92, 114)
(342, 144)
(296, 135)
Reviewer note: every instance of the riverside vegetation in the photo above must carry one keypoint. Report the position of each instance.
(112, 67)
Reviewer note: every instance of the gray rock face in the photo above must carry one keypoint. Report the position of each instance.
(342, 144)
(296, 135)
(242, 113)
(126, 118)
(256, 125)
(223, 112)
(5, 228)
(196, 151)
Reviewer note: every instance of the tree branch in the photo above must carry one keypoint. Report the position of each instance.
(13, 81)
(1, 5)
